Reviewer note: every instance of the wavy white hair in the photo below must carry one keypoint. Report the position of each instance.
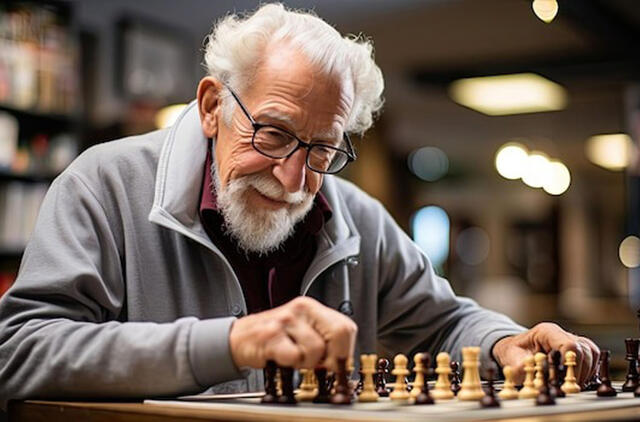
(235, 45)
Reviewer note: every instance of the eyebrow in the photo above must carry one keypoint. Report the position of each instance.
(288, 123)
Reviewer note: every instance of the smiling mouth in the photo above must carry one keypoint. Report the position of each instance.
(272, 203)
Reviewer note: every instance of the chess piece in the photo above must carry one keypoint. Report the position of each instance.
(528, 390)
(419, 378)
(545, 398)
(471, 386)
(509, 391)
(442, 390)
(342, 393)
(455, 377)
(605, 389)
(539, 358)
(360, 385)
(381, 378)
(570, 386)
(631, 382)
(490, 400)
(288, 396)
(595, 381)
(323, 386)
(368, 368)
(400, 370)
(308, 389)
(270, 391)
(424, 397)
(554, 375)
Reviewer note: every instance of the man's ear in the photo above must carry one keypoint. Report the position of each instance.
(209, 91)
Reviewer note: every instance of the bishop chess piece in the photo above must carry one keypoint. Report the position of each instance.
(424, 397)
(381, 378)
(455, 377)
(631, 382)
(368, 368)
(323, 395)
(418, 380)
(400, 370)
(342, 393)
(288, 396)
(528, 391)
(270, 390)
(442, 390)
(490, 400)
(471, 385)
(509, 391)
(605, 389)
(570, 386)
(554, 375)
(545, 398)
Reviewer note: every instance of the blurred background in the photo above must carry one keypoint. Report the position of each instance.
(507, 148)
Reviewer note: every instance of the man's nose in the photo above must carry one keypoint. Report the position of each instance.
(291, 171)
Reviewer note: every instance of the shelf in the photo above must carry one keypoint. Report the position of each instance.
(6, 175)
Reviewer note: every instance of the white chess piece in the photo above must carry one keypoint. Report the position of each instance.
(471, 388)
(509, 391)
(570, 386)
(400, 370)
(442, 390)
(539, 380)
(308, 389)
(368, 368)
(528, 390)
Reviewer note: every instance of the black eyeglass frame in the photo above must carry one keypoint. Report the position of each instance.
(351, 156)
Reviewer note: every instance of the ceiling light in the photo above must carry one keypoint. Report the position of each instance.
(611, 151)
(536, 170)
(509, 94)
(166, 116)
(546, 10)
(629, 252)
(558, 180)
(510, 160)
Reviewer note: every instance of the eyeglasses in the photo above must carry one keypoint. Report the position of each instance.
(275, 142)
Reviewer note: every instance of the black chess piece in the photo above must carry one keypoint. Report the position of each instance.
(454, 377)
(286, 377)
(342, 393)
(360, 385)
(595, 381)
(490, 399)
(425, 396)
(381, 377)
(554, 375)
(631, 382)
(323, 391)
(270, 390)
(605, 389)
(545, 398)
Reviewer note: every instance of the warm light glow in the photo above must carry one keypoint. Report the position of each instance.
(545, 10)
(168, 115)
(510, 160)
(536, 170)
(509, 94)
(559, 179)
(629, 252)
(611, 151)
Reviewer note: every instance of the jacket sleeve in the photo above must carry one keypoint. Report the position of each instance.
(418, 310)
(62, 333)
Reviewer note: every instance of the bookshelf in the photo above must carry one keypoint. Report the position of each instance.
(40, 119)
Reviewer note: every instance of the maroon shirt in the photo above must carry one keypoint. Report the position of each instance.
(269, 280)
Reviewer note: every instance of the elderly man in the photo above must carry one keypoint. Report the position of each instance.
(181, 259)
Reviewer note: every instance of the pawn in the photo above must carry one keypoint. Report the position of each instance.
(455, 377)
(539, 358)
(342, 393)
(270, 390)
(631, 381)
(509, 391)
(570, 386)
(418, 380)
(323, 395)
(442, 390)
(605, 389)
(288, 396)
(400, 370)
(545, 398)
(554, 375)
(424, 397)
(490, 400)
(528, 391)
(381, 378)
(308, 389)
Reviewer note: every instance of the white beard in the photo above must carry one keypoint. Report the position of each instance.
(259, 230)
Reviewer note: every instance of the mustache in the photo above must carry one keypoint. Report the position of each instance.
(271, 188)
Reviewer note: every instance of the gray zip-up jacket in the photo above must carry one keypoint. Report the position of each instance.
(122, 294)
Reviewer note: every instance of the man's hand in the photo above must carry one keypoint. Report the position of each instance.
(543, 338)
(302, 333)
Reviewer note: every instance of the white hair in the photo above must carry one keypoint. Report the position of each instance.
(235, 46)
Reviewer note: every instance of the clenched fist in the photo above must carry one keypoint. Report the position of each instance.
(302, 333)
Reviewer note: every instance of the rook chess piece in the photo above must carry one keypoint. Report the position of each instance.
(545, 398)
(570, 386)
(509, 391)
(271, 394)
(288, 396)
(342, 394)
(368, 368)
(400, 370)
(605, 389)
(490, 400)
(381, 378)
(442, 390)
(528, 391)
(455, 377)
(323, 386)
(471, 385)
(554, 375)
(632, 346)
(424, 397)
